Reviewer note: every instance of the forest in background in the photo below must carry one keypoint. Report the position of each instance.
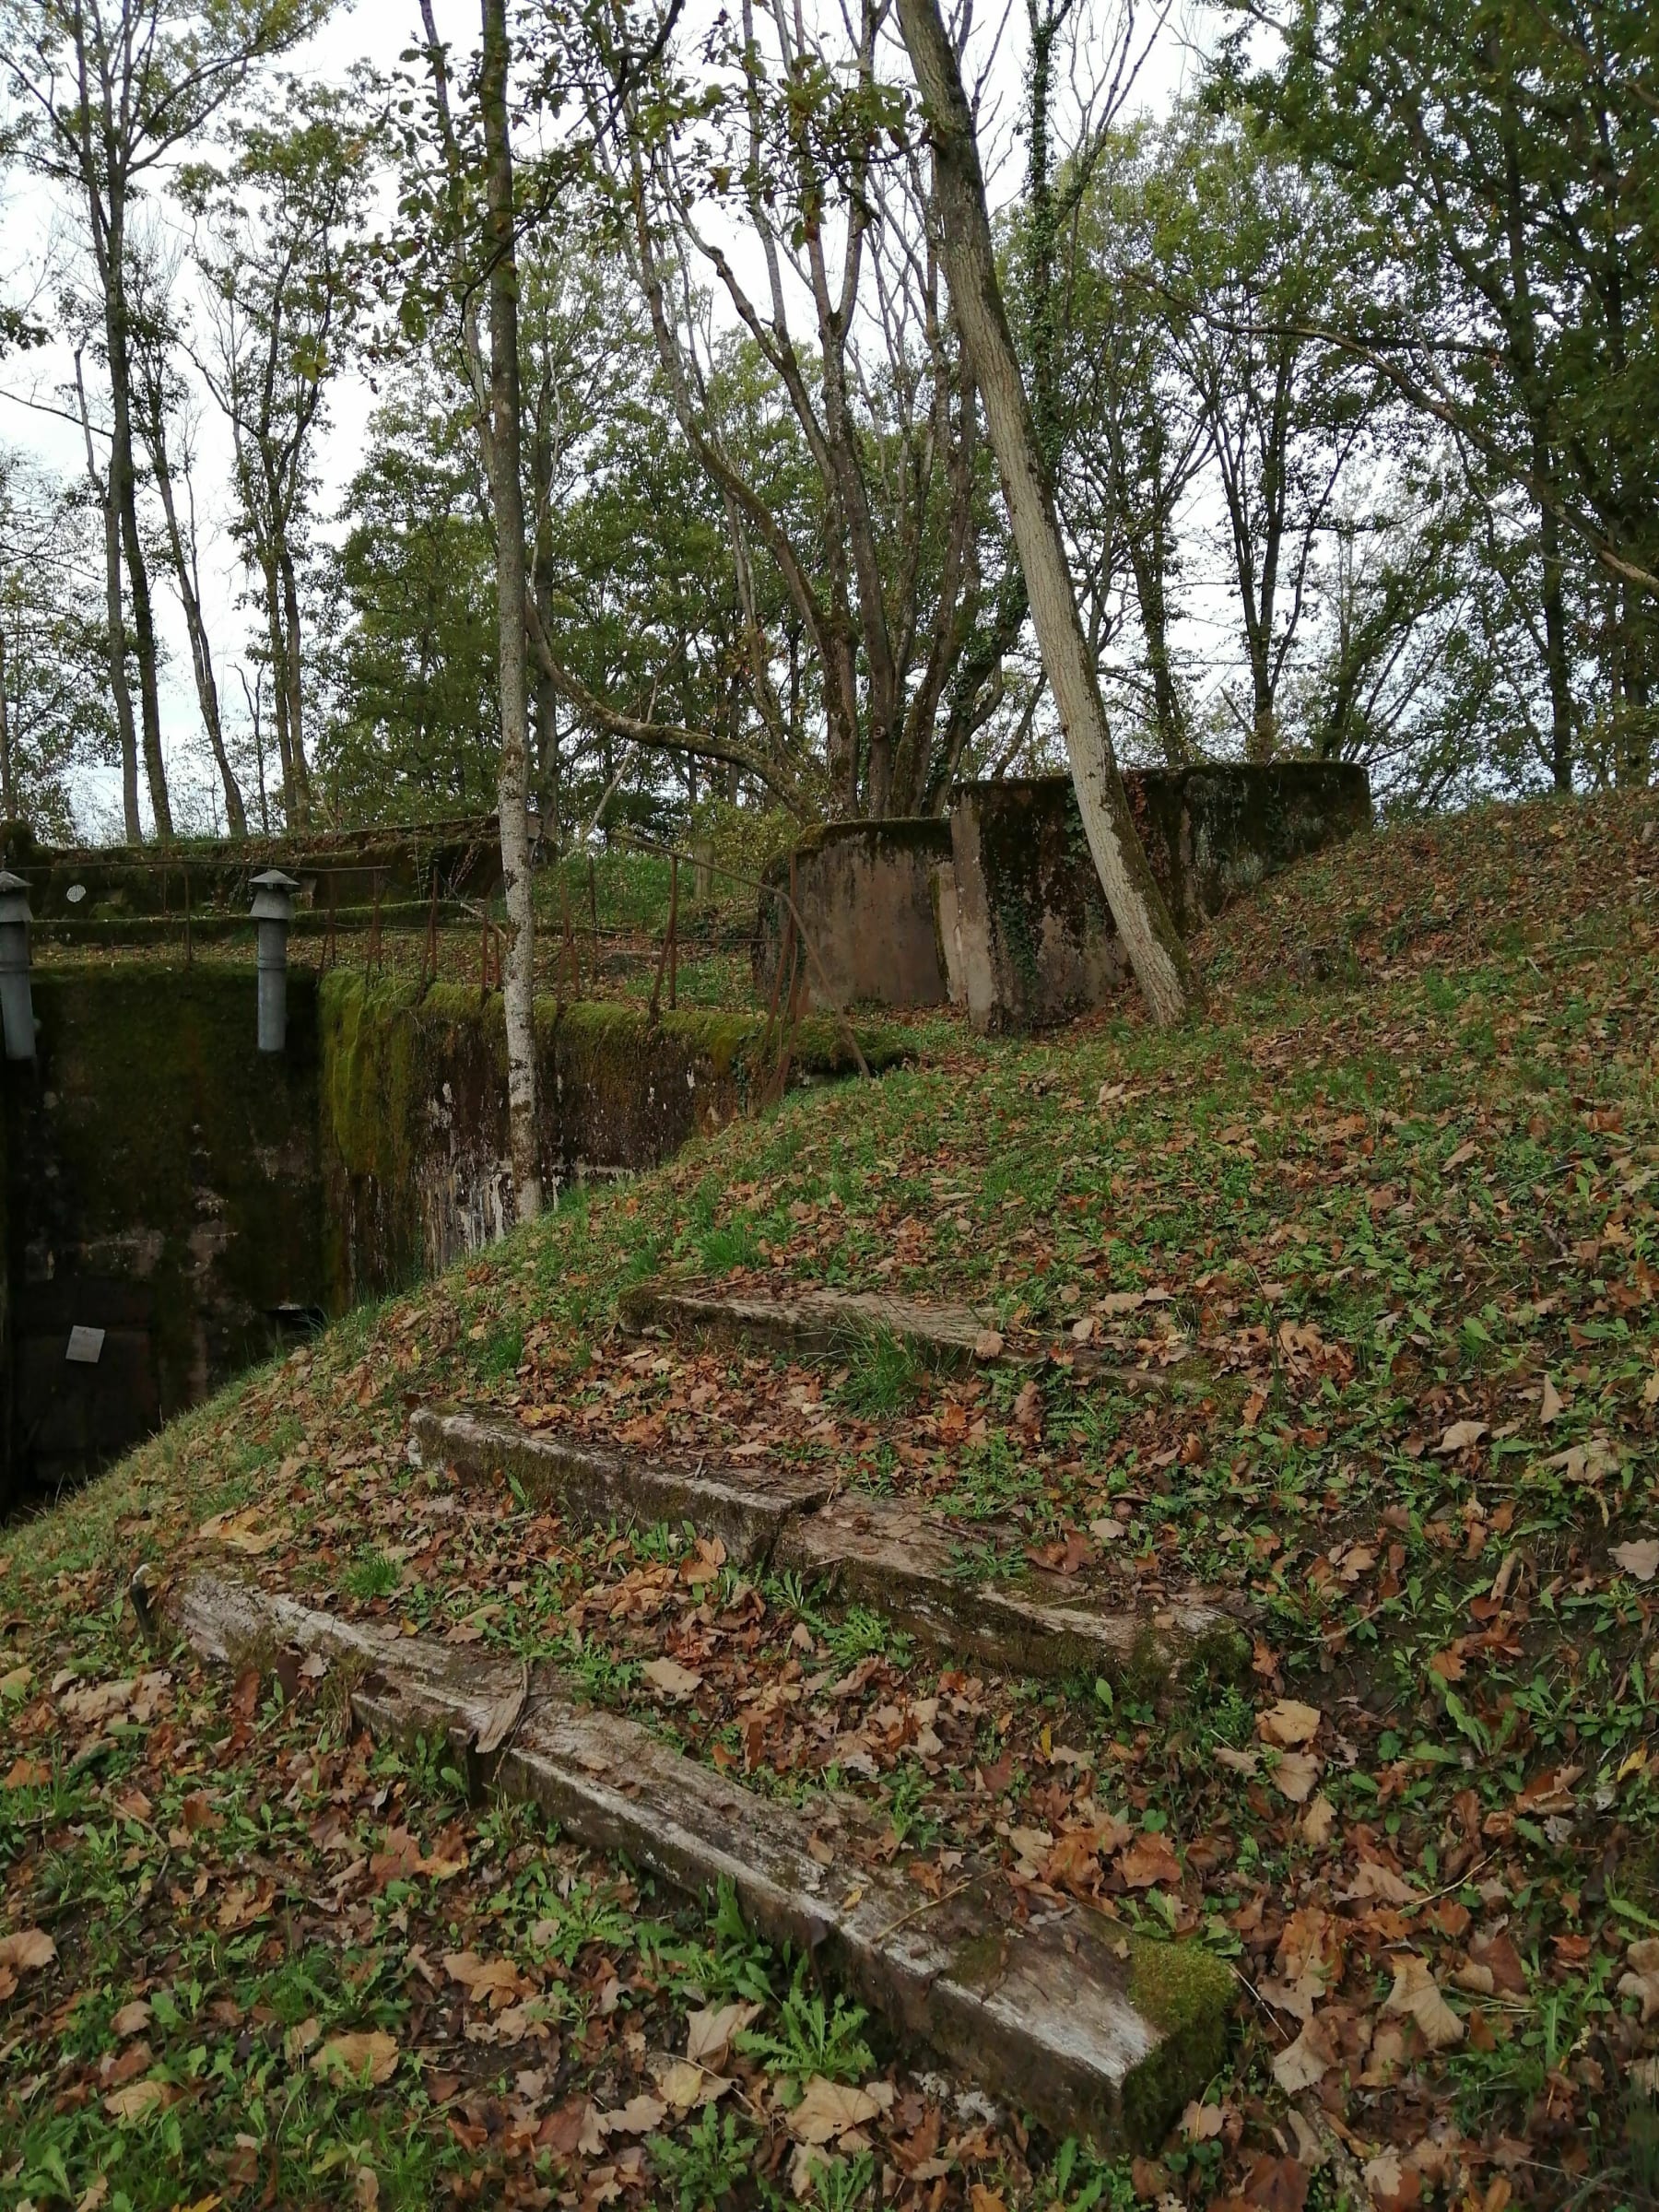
(1343, 365)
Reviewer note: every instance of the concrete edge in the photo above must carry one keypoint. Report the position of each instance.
(1095, 2034)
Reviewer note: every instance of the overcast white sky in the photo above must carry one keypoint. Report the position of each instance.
(39, 231)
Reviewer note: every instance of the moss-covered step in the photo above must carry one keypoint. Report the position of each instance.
(879, 1552)
(593, 1488)
(1096, 2033)
(819, 1323)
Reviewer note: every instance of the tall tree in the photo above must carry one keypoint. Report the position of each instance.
(1506, 164)
(162, 412)
(54, 694)
(505, 461)
(467, 245)
(1161, 964)
(110, 90)
(893, 568)
(282, 251)
(116, 637)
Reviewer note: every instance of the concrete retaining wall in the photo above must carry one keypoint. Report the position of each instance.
(203, 1204)
(416, 1157)
(161, 1186)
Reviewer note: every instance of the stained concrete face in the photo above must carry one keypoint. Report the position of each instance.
(999, 909)
(867, 896)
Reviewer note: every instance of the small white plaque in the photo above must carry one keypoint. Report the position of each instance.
(86, 1346)
(76, 893)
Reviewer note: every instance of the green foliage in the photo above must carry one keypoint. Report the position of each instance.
(813, 2038)
(715, 2157)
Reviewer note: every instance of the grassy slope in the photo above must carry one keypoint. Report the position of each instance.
(1399, 1195)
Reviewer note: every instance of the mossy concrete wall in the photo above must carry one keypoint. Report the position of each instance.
(868, 897)
(415, 1152)
(1033, 941)
(160, 1184)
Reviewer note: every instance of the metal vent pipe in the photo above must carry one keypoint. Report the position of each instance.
(16, 1000)
(273, 911)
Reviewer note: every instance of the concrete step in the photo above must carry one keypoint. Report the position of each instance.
(879, 1552)
(592, 1487)
(1095, 2033)
(826, 1325)
(907, 1564)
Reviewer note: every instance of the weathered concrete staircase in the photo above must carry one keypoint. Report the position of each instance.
(1094, 2032)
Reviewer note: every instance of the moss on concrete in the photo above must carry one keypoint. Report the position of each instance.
(1187, 1995)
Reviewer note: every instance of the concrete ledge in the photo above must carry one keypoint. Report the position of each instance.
(1095, 2033)
(593, 1489)
(823, 1324)
(879, 1552)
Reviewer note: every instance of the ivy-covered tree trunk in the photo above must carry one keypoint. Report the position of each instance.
(1161, 966)
(507, 497)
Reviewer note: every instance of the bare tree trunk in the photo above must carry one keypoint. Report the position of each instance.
(8, 798)
(1555, 647)
(288, 677)
(124, 498)
(1161, 966)
(507, 497)
(279, 697)
(120, 692)
(201, 654)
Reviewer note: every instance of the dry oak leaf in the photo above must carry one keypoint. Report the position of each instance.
(1317, 1822)
(669, 1676)
(96, 1702)
(639, 2116)
(1376, 1883)
(364, 2050)
(1289, 1723)
(27, 1950)
(132, 2019)
(1295, 1775)
(1277, 2184)
(831, 2108)
(138, 2100)
(1203, 2122)
(1416, 1994)
(1299, 1997)
(1461, 1435)
(1306, 2061)
(1641, 1980)
(241, 1531)
(709, 2034)
(684, 2084)
(1150, 1860)
(1639, 1559)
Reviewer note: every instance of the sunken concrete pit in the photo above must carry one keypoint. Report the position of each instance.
(175, 1203)
(999, 910)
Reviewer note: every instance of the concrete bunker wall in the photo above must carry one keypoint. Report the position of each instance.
(414, 1111)
(1000, 909)
(867, 895)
